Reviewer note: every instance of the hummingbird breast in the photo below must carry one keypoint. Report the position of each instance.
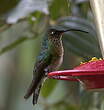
(57, 52)
(57, 47)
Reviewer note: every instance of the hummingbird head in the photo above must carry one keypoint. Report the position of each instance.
(53, 33)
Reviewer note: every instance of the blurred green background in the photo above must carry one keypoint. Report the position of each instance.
(23, 24)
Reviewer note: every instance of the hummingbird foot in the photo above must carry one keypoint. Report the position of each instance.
(46, 71)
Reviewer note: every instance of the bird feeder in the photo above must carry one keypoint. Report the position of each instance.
(90, 74)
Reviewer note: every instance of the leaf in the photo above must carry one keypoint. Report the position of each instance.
(25, 7)
(14, 36)
(82, 44)
(77, 23)
(12, 45)
(20, 32)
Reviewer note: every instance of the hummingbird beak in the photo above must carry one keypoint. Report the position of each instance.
(73, 30)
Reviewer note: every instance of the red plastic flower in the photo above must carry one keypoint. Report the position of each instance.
(91, 74)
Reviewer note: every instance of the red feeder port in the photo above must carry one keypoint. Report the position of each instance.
(91, 74)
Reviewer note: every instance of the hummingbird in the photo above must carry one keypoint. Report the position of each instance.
(49, 59)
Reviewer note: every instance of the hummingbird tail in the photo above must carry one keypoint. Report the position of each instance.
(36, 94)
(35, 90)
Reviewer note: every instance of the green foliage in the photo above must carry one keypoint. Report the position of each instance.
(7, 5)
(12, 45)
(75, 40)
(48, 87)
(57, 11)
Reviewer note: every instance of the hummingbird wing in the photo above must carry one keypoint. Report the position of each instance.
(38, 76)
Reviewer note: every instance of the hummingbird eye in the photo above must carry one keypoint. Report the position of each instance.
(52, 32)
